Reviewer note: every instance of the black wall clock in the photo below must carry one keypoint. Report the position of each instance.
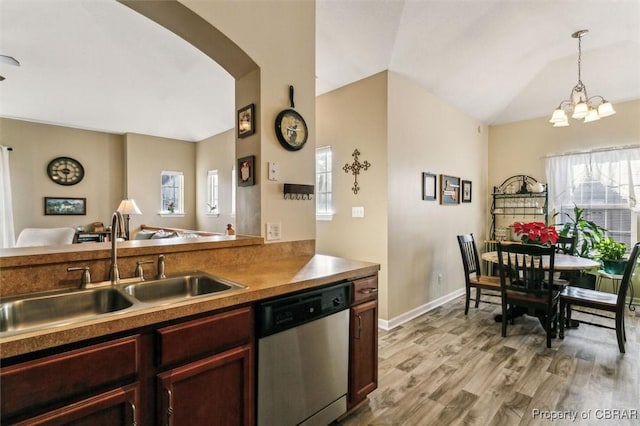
(65, 171)
(291, 130)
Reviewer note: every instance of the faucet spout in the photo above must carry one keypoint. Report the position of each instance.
(117, 230)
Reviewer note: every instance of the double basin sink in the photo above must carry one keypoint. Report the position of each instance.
(32, 312)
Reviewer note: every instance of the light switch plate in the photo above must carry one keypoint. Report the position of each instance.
(357, 211)
(274, 170)
(274, 231)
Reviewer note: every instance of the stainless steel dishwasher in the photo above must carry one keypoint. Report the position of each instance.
(303, 357)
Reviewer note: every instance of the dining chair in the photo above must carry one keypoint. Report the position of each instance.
(472, 274)
(526, 283)
(566, 245)
(601, 301)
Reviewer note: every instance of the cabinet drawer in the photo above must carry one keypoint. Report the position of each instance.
(365, 289)
(68, 374)
(199, 337)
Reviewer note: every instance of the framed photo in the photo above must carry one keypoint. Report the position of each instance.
(246, 171)
(246, 121)
(466, 191)
(429, 183)
(65, 206)
(449, 189)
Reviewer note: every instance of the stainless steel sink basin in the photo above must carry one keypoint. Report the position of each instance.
(22, 314)
(174, 289)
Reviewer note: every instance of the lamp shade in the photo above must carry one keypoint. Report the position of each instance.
(592, 115)
(129, 207)
(580, 110)
(558, 116)
(605, 109)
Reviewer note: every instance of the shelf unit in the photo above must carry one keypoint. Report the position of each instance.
(512, 199)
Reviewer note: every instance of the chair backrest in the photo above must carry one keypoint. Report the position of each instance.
(32, 237)
(566, 245)
(526, 268)
(628, 275)
(469, 254)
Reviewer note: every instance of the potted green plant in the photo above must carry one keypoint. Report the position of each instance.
(611, 254)
(587, 235)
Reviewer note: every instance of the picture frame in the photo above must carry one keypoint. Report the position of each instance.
(246, 171)
(67, 206)
(429, 184)
(465, 191)
(246, 121)
(449, 189)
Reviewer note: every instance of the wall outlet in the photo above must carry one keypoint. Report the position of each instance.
(357, 211)
(274, 231)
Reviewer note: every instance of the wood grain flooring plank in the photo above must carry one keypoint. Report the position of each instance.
(445, 368)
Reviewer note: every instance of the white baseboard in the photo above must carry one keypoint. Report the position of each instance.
(416, 312)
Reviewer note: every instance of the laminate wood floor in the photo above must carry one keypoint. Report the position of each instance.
(445, 368)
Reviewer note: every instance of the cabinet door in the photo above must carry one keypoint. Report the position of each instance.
(214, 390)
(116, 407)
(363, 352)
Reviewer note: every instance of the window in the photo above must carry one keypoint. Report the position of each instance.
(604, 184)
(213, 206)
(324, 204)
(171, 192)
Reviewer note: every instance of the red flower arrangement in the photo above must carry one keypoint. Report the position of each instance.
(536, 232)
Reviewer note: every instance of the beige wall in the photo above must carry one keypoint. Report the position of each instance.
(519, 148)
(428, 135)
(355, 117)
(402, 130)
(215, 153)
(147, 157)
(35, 145)
(280, 38)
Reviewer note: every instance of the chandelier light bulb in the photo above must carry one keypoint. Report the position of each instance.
(558, 116)
(592, 115)
(580, 110)
(605, 109)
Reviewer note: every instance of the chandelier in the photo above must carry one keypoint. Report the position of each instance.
(579, 104)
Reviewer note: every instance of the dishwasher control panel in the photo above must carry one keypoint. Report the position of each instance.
(281, 313)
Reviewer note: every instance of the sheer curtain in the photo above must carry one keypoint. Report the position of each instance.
(605, 183)
(7, 233)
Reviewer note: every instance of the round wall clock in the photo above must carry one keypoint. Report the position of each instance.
(65, 171)
(291, 130)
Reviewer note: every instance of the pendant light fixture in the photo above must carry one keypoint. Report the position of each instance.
(8, 60)
(579, 104)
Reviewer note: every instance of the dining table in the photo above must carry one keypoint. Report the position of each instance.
(561, 262)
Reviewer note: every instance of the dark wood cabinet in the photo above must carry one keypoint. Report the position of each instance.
(116, 407)
(215, 390)
(59, 384)
(363, 346)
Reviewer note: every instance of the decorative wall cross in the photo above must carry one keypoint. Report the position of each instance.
(355, 168)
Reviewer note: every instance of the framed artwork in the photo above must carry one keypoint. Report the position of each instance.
(429, 187)
(65, 206)
(466, 191)
(449, 189)
(246, 171)
(246, 122)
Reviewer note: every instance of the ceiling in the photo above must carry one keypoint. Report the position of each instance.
(96, 64)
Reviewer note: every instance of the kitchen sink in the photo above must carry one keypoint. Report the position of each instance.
(174, 289)
(23, 314)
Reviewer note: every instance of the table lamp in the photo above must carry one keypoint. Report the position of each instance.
(126, 208)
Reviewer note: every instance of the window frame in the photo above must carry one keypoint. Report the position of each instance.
(328, 212)
(213, 192)
(180, 211)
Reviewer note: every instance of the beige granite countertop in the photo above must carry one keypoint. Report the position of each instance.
(263, 279)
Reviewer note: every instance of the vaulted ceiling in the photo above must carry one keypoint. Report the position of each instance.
(98, 65)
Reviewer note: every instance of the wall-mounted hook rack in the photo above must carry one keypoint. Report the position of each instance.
(293, 191)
